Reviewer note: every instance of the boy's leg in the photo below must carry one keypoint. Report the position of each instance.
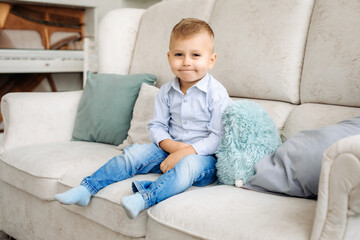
(135, 159)
(191, 170)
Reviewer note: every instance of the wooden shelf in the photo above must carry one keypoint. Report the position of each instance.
(66, 3)
(41, 61)
(52, 61)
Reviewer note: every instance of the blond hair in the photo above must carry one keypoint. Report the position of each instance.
(188, 27)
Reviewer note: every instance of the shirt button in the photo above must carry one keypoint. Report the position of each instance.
(185, 100)
(186, 132)
(184, 122)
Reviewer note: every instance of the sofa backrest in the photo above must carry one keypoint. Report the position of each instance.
(331, 72)
(261, 47)
(152, 45)
(330, 84)
(260, 44)
(281, 53)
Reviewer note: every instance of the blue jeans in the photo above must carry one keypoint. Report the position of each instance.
(146, 158)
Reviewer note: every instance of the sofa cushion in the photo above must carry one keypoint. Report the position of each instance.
(294, 169)
(142, 114)
(310, 116)
(332, 61)
(117, 32)
(153, 37)
(105, 207)
(35, 169)
(261, 47)
(250, 135)
(278, 111)
(105, 108)
(232, 213)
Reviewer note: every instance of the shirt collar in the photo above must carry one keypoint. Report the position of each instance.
(201, 85)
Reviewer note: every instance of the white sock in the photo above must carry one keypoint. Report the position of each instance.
(133, 205)
(79, 195)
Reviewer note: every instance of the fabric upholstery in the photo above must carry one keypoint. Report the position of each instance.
(105, 207)
(234, 213)
(352, 229)
(294, 169)
(29, 218)
(331, 72)
(250, 135)
(35, 169)
(142, 114)
(106, 106)
(278, 111)
(261, 58)
(261, 47)
(340, 176)
(152, 44)
(30, 117)
(311, 116)
(118, 31)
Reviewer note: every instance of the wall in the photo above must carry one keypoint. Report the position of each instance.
(68, 82)
(73, 81)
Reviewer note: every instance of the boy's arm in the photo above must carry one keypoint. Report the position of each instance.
(159, 125)
(171, 146)
(175, 157)
(208, 145)
(219, 102)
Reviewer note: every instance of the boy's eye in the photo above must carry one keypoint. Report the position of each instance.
(178, 54)
(196, 55)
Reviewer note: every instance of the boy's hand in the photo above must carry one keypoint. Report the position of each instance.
(174, 158)
(172, 146)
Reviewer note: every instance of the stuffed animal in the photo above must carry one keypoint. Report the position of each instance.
(250, 135)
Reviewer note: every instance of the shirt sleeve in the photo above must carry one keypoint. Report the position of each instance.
(159, 125)
(218, 103)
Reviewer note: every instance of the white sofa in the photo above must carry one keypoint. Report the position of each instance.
(300, 59)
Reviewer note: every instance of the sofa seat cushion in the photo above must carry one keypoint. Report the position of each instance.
(225, 212)
(35, 169)
(105, 207)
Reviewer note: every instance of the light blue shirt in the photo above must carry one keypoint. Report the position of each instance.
(194, 118)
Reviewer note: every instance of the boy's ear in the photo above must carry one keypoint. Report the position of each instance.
(212, 60)
(168, 54)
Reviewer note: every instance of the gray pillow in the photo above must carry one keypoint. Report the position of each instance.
(294, 169)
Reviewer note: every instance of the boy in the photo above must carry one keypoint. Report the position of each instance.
(185, 131)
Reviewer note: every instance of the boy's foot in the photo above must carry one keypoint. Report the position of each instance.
(133, 205)
(79, 195)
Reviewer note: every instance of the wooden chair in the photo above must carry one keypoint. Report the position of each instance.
(45, 20)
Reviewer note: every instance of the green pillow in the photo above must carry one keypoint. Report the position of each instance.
(106, 105)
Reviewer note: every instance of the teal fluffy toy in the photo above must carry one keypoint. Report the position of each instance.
(250, 135)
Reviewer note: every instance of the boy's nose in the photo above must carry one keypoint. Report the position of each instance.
(186, 61)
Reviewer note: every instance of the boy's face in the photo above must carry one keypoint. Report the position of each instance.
(191, 58)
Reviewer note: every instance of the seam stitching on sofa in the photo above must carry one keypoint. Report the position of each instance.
(30, 174)
(172, 226)
(328, 195)
(305, 47)
(135, 43)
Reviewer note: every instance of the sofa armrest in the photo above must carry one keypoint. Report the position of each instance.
(36, 118)
(339, 189)
(118, 31)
